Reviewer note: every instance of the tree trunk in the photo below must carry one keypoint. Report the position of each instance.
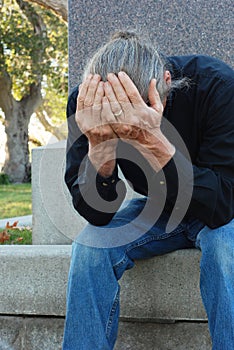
(17, 164)
(17, 117)
(18, 113)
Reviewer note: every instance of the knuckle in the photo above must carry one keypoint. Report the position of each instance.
(88, 103)
(81, 98)
(133, 95)
(123, 98)
(126, 128)
(106, 132)
(97, 107)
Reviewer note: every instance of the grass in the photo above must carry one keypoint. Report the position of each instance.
(15, 200)
(16, 236)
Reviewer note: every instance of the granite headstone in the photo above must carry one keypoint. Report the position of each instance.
(175, 26)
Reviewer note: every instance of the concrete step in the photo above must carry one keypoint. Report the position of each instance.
(34, 278)
(34, 333)
(161, 290)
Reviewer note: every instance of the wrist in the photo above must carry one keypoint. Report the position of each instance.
(104, 164)
(158, 150)
(107, 169)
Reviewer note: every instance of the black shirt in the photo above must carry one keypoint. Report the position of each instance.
(203, 115)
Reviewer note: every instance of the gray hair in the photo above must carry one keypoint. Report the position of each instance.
(127, 52)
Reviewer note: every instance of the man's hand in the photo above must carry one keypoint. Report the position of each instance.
(91, 106)
(136, 122)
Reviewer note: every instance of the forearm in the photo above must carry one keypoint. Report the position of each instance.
(157, 150)
(104, 163)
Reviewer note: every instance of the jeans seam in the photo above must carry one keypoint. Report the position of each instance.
(112, 312)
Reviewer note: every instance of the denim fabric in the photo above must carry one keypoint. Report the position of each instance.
(217, 282)
(93, 289)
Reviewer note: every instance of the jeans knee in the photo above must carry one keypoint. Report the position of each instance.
(217, 246)
(86, 256)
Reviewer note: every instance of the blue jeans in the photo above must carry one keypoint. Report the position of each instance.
(93, 289)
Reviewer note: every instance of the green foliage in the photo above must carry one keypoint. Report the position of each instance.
(15, 200)
(17, 236)
(4, 179)
(29, 55)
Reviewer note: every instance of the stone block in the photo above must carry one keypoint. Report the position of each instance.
(31, 333)
(165, 288)
(43, 333)
(155, 336)
(34, 279)
(34, 333)
(11, 330)
(55, 221)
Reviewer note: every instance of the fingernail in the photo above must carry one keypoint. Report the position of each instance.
(122, 74)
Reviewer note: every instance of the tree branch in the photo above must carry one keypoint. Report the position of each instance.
(46, 122)
(58, 6)
(33, 100)
(39, 28)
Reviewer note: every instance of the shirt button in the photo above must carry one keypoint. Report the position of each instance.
(162, 183)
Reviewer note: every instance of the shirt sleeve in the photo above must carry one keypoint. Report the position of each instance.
(212, 179)
(95, 198)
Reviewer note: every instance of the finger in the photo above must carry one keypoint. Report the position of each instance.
(120, 93)
(97, 103)
(131, 89)
(107, 116)
(109, 93)
(154, 98)
(83, 88)
(92, 88)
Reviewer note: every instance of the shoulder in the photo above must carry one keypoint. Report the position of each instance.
(73, 93)
(201, 66)
(71, 103)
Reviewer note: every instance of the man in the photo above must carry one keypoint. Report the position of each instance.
(132, 110)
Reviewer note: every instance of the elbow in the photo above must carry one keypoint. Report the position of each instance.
(94, 217)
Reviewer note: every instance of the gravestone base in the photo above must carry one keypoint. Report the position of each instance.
(40, 333)
(160, 303)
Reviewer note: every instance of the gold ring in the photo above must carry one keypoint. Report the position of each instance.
(118, 114)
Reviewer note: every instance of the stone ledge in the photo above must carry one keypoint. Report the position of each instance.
(166, 288)
(155, 336)
(33, 279)
(34, 333)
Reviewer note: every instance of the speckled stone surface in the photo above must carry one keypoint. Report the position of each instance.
(175, 26)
